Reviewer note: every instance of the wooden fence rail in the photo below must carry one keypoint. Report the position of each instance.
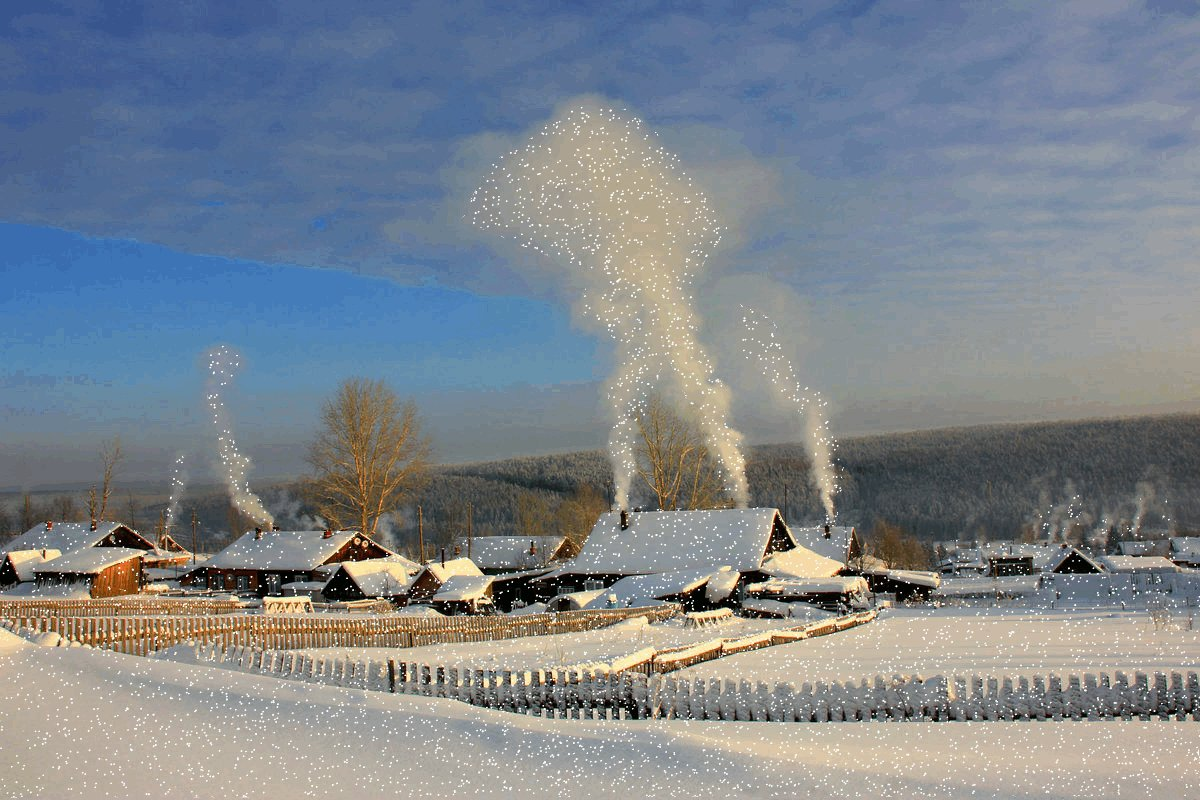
(117, 606)
(600, 694)
(141, 635)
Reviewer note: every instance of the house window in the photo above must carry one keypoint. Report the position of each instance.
(243, 583)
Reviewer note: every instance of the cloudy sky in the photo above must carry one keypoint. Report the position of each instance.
(958, 213)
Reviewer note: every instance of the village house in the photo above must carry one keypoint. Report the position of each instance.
(1185, 551)
(261, 562)
(51, 540)
(91, 572)
(686, 551)
(842, 544)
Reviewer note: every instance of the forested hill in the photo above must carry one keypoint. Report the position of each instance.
(939, 483)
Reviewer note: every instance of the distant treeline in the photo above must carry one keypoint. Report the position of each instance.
(988, 481)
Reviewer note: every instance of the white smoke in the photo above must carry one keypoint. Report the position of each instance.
(593, 189)
(178, 483)
(761, 343)
(223, 364)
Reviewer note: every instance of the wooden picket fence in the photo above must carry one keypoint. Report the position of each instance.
(140, 605)
(609, 694)
(142, 635)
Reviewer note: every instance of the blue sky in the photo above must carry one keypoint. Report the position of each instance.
(959, 212)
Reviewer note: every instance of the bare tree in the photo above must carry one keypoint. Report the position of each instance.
(30, 513)
(533, 515)
(576, 516)
(674, 462)
(369, 456)
(110, 456)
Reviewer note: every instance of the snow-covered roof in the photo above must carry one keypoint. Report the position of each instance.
(1155, 547)
(1066, 552)
(511, 552)
(381, 577)
(24, 561)
(463, 588)
(455, 566)
(67, 536)
(282, 550)
(984, 587)
(662, 541)
(835, 545)
(799, 587)
(658, 585)
(1186, 548)
(89, 560)
(800, 563)
(913, 577)
(1139, 564)
(778, 608)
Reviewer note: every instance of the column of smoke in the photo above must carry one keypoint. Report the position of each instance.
(178, 481)
(761, 342)
(593, 190)
(223, 363)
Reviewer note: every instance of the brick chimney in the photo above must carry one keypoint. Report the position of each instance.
(258, 533)
(49, 524)
(624, 520)
(327, 534)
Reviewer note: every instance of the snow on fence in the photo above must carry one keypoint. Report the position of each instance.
(117, 606)
(607, 694)
(145, 634)
(703, 619)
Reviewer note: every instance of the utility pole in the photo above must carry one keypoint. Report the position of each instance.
(421, 533)
(194, 523)
(470, 519)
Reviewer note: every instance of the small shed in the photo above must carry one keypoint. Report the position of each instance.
(429, 580)
(1185, 551)
(463, 594)
(104, 571)
(387, 578)
(17, 565)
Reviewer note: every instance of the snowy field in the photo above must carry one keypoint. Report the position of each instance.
(84, 723)
(565, 650)
(949, 641)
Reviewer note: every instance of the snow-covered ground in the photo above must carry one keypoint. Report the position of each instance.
(948, 641)
(83, 723)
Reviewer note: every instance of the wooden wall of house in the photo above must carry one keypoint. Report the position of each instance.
(123, 578)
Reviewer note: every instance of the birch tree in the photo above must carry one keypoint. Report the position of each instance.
(673, 461)
(369, 456)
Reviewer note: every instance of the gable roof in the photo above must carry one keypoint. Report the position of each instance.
(1139, 564)
(663, 541)
(455, 566)
(1066, 553)
(1144, 547)
(381, 577)
(68, 536)
(282, 550)
(24, 561)
(1186, 548)
(800, 563)
(89, 560)
(510, 552)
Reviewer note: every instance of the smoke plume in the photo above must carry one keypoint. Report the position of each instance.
(594, 190)
(223, 364)
(761, 343)
(178, 482)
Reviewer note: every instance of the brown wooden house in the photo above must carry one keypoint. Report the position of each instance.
(386, 578)
(98, 571)
(261, 562)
